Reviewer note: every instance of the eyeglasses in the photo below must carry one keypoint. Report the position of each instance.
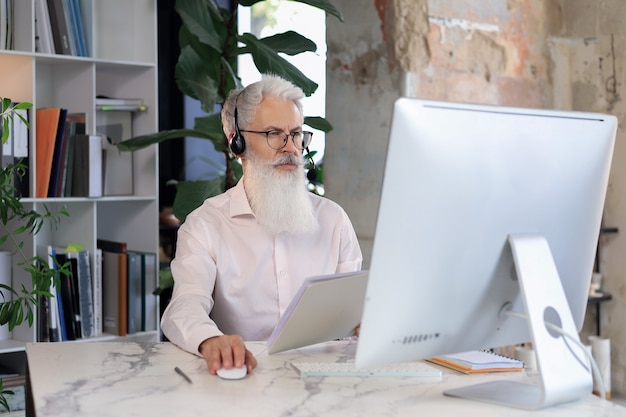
(277, 139)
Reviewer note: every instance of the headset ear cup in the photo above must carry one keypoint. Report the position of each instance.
(237, 144)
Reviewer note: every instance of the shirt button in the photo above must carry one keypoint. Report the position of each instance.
(283, 273)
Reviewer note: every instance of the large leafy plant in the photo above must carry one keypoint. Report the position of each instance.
(206, 70)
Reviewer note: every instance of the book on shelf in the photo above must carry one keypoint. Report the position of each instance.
(67, 27)
(6, 372)
(50, 324)
(97, 292)
(77, 125)
(114, 286)
(85, 293)
(112, 245)
(478, 361)
(87, 166)
(43, 329)
(60, 146)
(77, 31)
(63, 162)
(47, 120)
(144, 287)
(7, 24)
(133, 292)
(69, 296)
(114, 293)
(104, 103)
(43, 35)
(150, 269)
(60, 311)
(60, 24)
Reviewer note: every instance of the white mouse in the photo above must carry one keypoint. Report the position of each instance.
(232, 373)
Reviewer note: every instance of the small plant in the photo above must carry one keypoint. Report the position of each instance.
(3, 399)
(17, 305)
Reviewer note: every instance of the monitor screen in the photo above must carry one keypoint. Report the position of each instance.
(459, 179)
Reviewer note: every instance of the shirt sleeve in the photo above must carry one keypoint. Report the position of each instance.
(186, 320)
(350, 258)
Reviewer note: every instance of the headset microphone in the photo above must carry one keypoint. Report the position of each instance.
(311, 175)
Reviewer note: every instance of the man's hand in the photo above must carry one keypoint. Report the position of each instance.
(226, 351)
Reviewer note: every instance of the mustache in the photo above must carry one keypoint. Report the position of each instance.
(287, 159)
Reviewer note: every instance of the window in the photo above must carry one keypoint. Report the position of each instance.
(277, 16)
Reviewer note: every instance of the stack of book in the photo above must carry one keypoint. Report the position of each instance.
(114, 297)
(71, 313)
(60, 28)
(68, 161)
(129, 280)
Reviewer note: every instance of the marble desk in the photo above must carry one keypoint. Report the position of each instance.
(138, 379)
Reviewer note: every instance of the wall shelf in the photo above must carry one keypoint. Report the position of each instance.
(122, 45)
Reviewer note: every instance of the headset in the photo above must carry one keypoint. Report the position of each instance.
(311, 174)
(237, 143)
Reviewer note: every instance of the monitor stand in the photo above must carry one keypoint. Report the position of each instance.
(564, 370)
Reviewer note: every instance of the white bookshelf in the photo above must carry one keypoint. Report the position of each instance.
(122, 62)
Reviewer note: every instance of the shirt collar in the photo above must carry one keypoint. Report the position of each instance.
(239, 204)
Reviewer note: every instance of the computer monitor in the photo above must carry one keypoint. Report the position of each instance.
(461, 182)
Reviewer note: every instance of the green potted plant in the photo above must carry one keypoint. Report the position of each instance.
(206, 70)
(18, 305)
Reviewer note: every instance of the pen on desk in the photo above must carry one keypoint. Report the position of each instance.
(181, 373)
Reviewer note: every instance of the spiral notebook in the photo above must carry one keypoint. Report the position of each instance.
(478, 361)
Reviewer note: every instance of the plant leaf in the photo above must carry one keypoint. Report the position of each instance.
(319, 123)
(211, 125)
(195, 79)
(320, 4)
(140, 142)
(198, 17)
(5, 129)
(267, 60)
(166, 280)
(23, 105)
(290, 43)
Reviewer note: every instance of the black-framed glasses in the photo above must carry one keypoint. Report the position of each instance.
(277, 139)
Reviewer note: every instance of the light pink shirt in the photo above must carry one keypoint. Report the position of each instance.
(228, 267)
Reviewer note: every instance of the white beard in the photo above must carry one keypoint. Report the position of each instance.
(279, 199)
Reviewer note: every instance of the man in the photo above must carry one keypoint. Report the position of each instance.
(242, 255)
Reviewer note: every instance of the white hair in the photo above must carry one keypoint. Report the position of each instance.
(246, 100)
